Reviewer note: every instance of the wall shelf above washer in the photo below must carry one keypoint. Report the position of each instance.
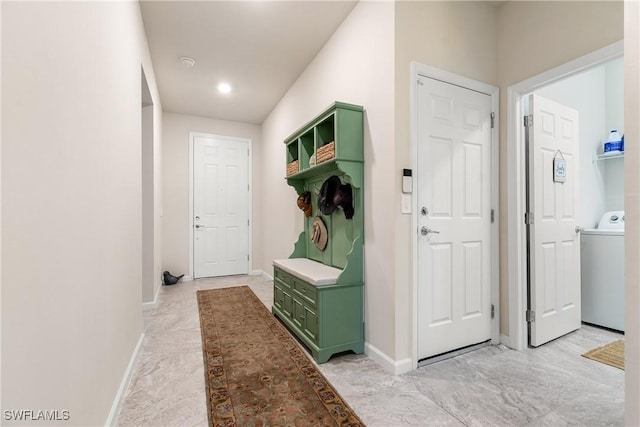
(616, 155)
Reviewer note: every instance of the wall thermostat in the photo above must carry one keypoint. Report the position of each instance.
(407, 181)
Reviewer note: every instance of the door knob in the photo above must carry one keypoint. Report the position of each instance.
(578, 229)
(198, 226)
(424, 231)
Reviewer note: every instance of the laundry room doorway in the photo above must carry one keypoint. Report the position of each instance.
(593, 86)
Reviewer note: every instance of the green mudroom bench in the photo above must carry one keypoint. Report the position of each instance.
(326, 316)
(319, 289)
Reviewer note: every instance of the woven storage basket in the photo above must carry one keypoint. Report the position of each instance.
(326, 152)
(293, 167)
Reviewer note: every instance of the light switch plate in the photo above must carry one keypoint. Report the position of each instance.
(406, 203)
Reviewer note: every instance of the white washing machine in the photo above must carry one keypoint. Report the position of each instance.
(602, 269)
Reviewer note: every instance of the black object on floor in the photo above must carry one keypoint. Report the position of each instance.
(170, 279)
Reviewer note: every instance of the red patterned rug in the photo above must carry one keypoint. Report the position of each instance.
(256, 373)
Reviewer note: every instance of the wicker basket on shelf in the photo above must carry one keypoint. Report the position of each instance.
(326, 152)
(293, 167)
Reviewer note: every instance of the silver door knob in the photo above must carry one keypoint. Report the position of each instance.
(424, 231)
(578, 229)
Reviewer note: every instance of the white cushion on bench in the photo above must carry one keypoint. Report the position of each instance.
(310, 271)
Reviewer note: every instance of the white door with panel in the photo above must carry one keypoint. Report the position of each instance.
(454, 217)
(220, 206)
(554, 242)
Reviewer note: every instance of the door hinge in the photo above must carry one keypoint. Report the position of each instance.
(528, 218)
(493, 120)
(531, 316)
(247, 223)
(493, 311)
(528, 120)
(247, 257)
(420, 82)
(493, 215)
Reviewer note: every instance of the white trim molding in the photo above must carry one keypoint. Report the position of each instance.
(124, 385)
(152, 304)
(396, 367)
(417, 70)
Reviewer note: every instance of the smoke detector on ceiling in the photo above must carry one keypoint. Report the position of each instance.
(188, 62)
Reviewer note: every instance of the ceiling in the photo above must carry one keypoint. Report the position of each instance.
(259, 47)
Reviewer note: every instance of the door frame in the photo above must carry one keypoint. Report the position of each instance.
(417, 70)
(516, 190)
(249, 142)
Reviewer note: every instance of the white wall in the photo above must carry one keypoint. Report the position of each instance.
(175, 221)
(614, 178)
(355, 66)
(534, 37)
(585, 93)
(459, 37)
(632, 213)
(151, 190)
(149, 277)
(71, 203)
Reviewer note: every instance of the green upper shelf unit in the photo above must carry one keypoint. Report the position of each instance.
(327, 139)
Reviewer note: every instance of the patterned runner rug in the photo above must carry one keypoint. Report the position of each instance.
(256, 373)
(612, 354)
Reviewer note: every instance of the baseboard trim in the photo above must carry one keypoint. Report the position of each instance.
(152, 304)
(267, 276)
(124, 385)
(396, 367)
(505, 340)
(255, 273)
(186, 279)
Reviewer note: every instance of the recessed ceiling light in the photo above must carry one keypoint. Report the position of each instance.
(224, 87)
(188, 62)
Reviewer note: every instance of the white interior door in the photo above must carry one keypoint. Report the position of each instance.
(220, 207)
(454, 204)
(554, 287)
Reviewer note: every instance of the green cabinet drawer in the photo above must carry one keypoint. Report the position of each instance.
(287, 279)
(306, 291)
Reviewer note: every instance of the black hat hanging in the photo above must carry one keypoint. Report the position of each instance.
(325, 197)
(344, 199)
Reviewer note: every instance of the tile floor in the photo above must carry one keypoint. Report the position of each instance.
(493, 386)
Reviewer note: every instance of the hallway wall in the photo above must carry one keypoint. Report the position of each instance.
(355, 66)
(71, 204)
